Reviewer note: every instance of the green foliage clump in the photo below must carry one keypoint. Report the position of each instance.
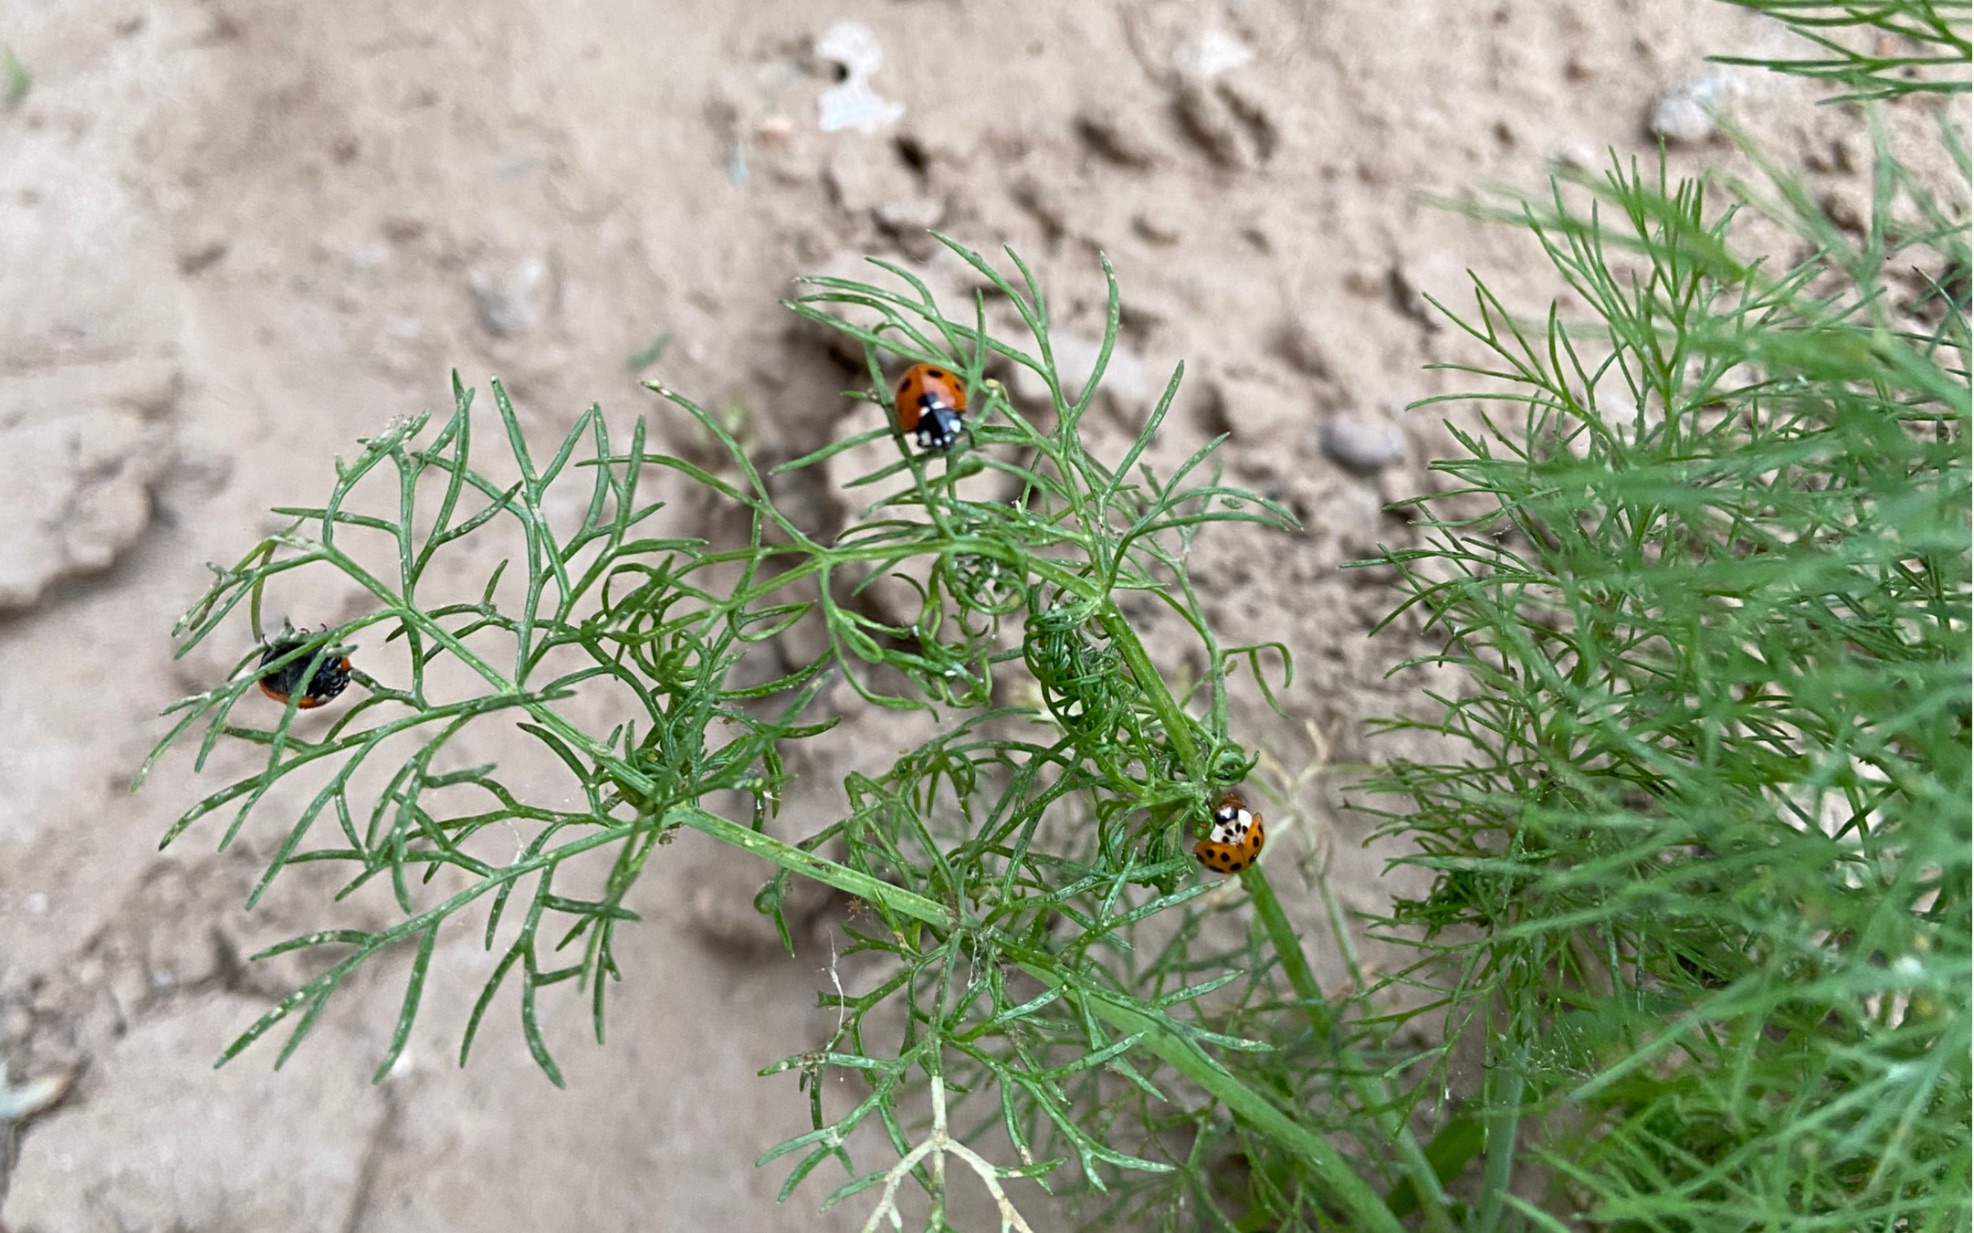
(1701, 838)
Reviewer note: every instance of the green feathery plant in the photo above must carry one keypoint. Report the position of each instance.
(1011, 867)
(1701, 837)
(1701, 856)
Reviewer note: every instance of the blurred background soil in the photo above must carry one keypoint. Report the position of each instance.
(237, 235)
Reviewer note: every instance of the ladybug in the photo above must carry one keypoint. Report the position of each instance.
(930, 399)
(1235, 840)
(332, 676)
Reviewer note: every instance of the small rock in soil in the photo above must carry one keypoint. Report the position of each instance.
(79, 497)
(1685, 115)
(1848, 206)
(200, 256)
(1415, 276)
(1362, 442)
(911, 224)
(1212, 53)
(1573, 154)
(515, 298)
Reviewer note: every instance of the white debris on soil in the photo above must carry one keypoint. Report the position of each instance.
(1214, 52)
(851, 103)
(33, 1097)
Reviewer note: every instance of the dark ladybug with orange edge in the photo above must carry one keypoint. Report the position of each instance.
(1235, 839)
(930, 400)
(332, 675)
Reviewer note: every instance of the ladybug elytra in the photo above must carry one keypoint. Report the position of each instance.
(332, 675)
(1235, 839)
(929, 402)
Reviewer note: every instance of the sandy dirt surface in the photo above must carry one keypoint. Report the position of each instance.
(236, 235)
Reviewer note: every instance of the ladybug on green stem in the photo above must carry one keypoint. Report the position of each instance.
(332, 674)
(930, 400)
(1235, 839)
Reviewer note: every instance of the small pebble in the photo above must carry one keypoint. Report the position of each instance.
(1362, 443)
(1367, 281)
(32, 1098)
(775, 130)
(1573, 154)
(1434, 273)
(1685, 116)
(916, 213)
(865, 175)
(1214, 52)
(1260, 409)
(513, 299)
(1848, 206)
(199, 257)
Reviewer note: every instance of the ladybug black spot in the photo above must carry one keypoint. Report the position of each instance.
(935, 374)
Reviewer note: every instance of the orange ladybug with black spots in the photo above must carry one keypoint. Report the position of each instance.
(1235, 839)
(930, 400)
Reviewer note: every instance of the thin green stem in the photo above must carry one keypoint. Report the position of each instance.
(880, 894)
(1178, 728)
(1184, 1055)
(1504, 1099)
(1288, 949)
(1373, 1094)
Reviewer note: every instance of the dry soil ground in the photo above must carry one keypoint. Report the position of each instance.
(235, 235)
